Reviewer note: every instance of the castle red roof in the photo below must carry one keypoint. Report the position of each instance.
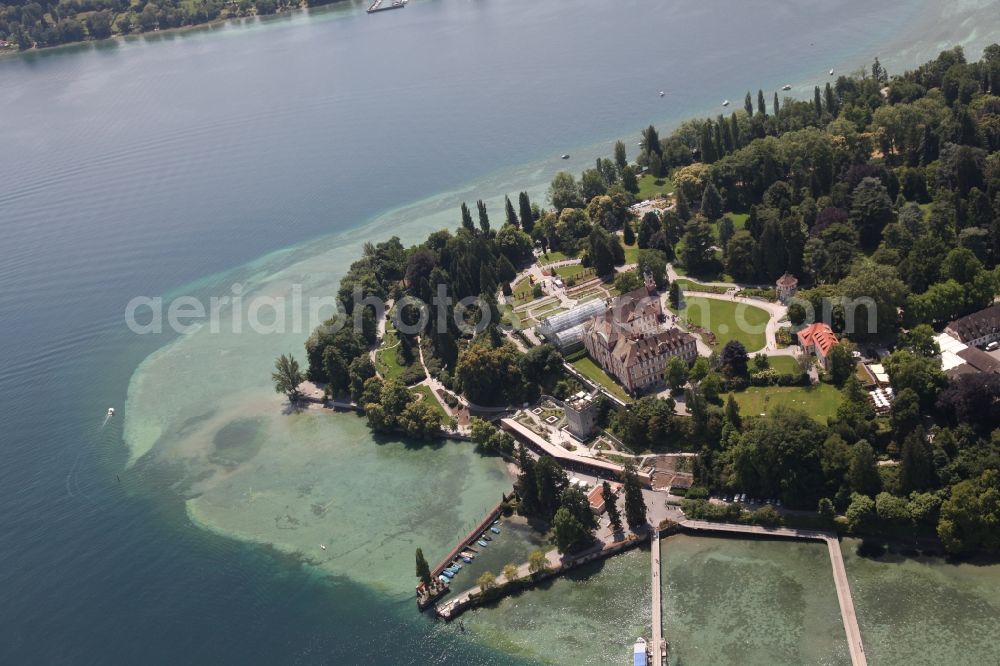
(820, 335)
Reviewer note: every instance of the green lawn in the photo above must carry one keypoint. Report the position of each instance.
(785, 365)
(385, 358)
(820, 401)
(728, 320)
(431, 400)
(552, 257)
(631, 253)
(522, 291)
(592, 371)
(739, 219)
(689, 285)
(570, 271)
(652, 188)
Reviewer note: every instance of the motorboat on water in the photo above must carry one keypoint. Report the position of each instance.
(786, 87)
(725, 103)
(565, 156)
(662, 93)
(482, 543)
(322, 547)
(831, 72)
(495, 530)
(466, 559)
(640, 653)
(111, 411)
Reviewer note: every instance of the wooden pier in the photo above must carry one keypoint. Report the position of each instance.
(658, 646)
(470, 538)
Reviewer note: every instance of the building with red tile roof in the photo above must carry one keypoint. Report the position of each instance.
(818, 339)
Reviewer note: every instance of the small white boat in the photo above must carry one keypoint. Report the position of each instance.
(565, 157)
(322, 547)
(662, 93)
(725, 103)
(786, 87)
(831, 72)
(111, 411)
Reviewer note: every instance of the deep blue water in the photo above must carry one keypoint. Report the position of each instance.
(133, 168)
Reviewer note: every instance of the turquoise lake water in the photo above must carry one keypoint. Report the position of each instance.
(187, 528)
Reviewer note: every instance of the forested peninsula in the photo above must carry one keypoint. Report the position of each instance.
(26, 25)
(881, 187)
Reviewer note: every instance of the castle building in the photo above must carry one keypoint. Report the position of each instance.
(581, 415)
(628, 341)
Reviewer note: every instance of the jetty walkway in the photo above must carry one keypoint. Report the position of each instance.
(658, 647)
(846, 601)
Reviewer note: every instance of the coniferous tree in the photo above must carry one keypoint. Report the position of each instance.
(511, 215)
(484, 218)
(524, 210)
(423, 569)
(916, 466)
(707, 144)
(651, 141)
(775, 105)
(628, 235)
(761, 107)
(818, 103)
(635, 505)
(831, 101)
(467, 218)
(676, 295)
(611, 506)
(621, 161)
(527, 484)
(711, 202)
(734, 129)
(862, 474)
(748, 105)
(629, 181)
(682, 208)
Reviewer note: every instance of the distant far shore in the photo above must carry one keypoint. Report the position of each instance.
(220, 21)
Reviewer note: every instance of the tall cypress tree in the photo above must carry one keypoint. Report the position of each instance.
(467, 218)
(761, 107)
(776, 106)
(484, 218)
(621, 161)
(831, 101)
(707, 144)
(720, 146)
(511, 215)
(524, 208)
(423, 569)
(635, 505)
(734, 128)
(748, 105)
(611, 505)
(683, 209)
(818, 103)
(527, 483)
